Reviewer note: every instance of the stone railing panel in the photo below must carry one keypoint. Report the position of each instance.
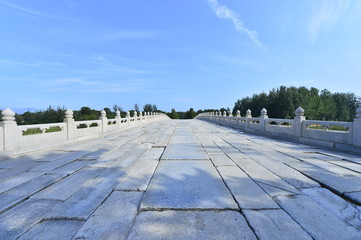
(341, 135)
(16, 139)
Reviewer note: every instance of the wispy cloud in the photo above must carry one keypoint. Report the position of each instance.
(326, 17)
(25, 64)
(32, 12)
(130, 35)
(224, 12)
(81, 85)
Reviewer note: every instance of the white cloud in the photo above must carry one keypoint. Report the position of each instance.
(224, 12)
(31, 12)
(81, 85)
(130, 35)
(35, 64)
(328, 15)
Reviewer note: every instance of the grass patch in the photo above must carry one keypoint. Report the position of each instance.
(331, 128)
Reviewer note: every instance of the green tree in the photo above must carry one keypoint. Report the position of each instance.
(190, 114)
(173, 114)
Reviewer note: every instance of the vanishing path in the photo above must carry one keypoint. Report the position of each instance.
(181, 180)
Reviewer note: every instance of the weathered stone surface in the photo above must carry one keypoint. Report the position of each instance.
(81, 204)
(354, 196)
(184, 151)
(179, 225)
(246, 192)
(274, 224)
(102, 150)
(261, 175)
(349, 165)
(221, 160)
(18, 194)
(291, 176)
(113, 219)
(154, 153)
(183, 139)
(336, 205)
(18, 180)
(7, 173)
(63, 189)
(341, 171)
(59, 162)
(139, 176)
(187, 185)
(53, 229)
(319, 222)
(71, 167)
(329, 179)
(22, 217)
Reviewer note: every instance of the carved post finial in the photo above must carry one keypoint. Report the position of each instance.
(103, 114)
(8, 116)
(238, 113)
(68, 114)
(117, 114)
(299, 112)
(248, 113)
(263, 112)
(230, 114)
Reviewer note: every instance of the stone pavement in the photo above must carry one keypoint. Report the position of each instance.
(181, 180)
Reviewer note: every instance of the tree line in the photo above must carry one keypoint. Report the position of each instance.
(55, 115)
(318, 105)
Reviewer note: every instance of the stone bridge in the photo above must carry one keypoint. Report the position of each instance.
(185, 179)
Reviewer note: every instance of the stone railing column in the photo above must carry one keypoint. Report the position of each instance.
(357, 128)
(104, 120)
(70, 124)
(10, 128)
(297, 122)
(118, 118)
(128, 118)
(248, 115)
(263, 119)
(238, 113)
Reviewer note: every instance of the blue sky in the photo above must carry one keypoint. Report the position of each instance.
(173, 53)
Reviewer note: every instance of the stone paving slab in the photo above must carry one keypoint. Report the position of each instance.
(71, 167)
(180, 225)
(183, 139)
(317, 221)
(18, 180)
(22, 217)
(288, 174)
(221, 160)
(246, 192)
(12, 172)
(139, 176)
(349, 165)
(49, 229)
(60, 162)
(261, 175)
(18, 194)
(187, 185)
(113, 219)
(275, 224)
(81, 204)
(184, 151)
(336, 205)
(68, 186)
(327, 178)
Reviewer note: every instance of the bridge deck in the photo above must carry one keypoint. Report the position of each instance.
(181, 180)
